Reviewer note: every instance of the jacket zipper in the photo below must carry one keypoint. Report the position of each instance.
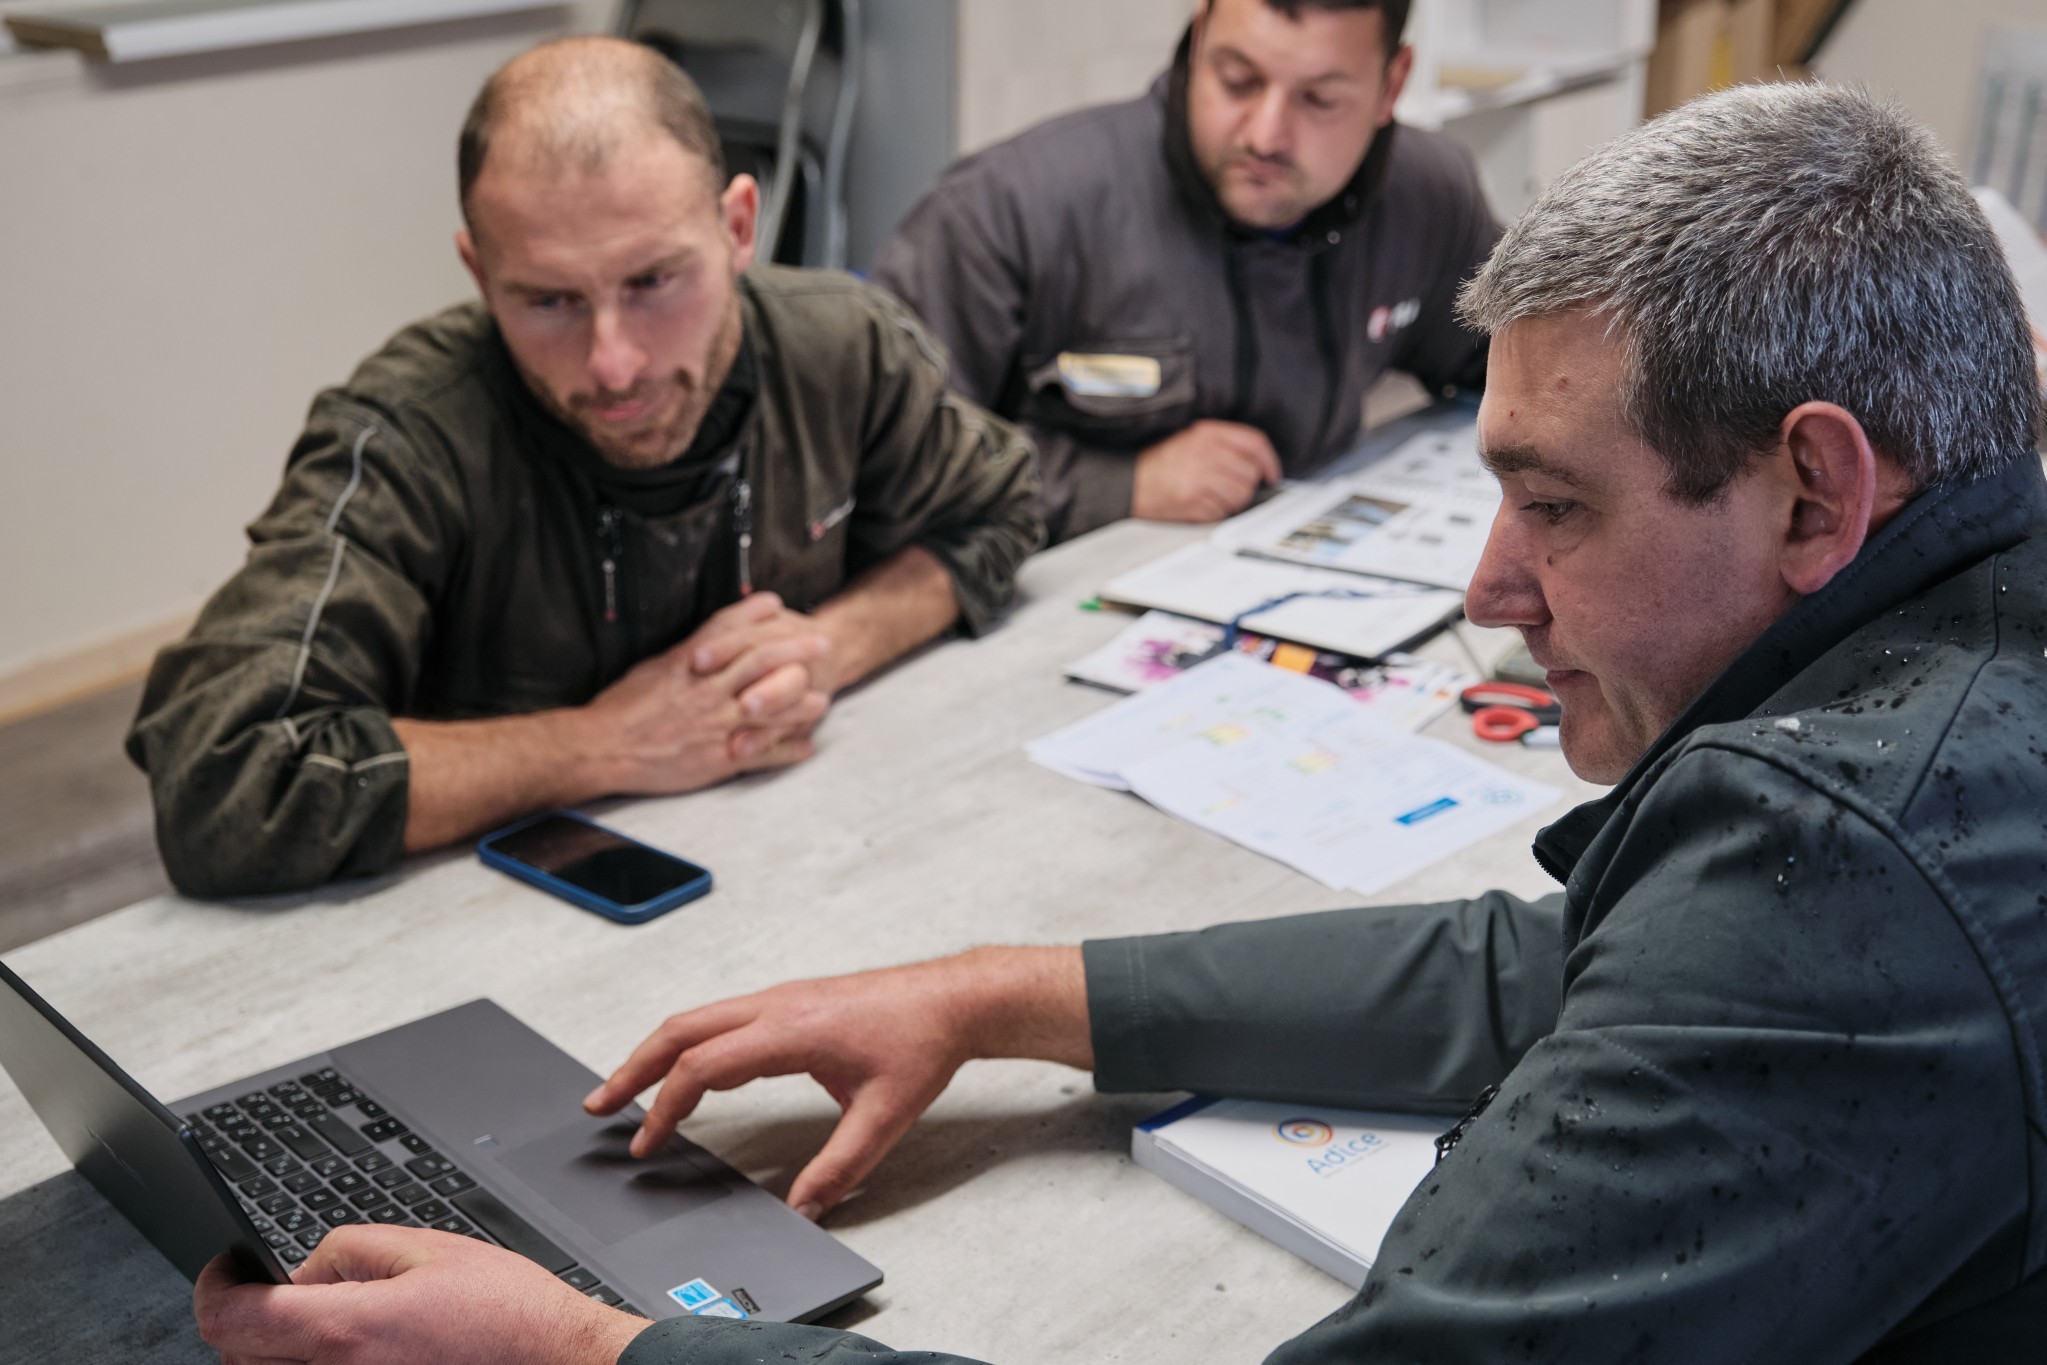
(614, 550)
(618, 597)
(1448, 1142)
(1240, 314)
(1325, 344)
(1247, 335)
(742, 527)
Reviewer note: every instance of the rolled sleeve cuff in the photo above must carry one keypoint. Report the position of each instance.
(656, 1346)
(1121, 1016)
(276, 806)
(980, 600)
(725, 1341)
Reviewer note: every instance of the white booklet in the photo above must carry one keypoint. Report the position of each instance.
(1421, 513)
(1209, 582)
(1292, 767)
(1323, 1183)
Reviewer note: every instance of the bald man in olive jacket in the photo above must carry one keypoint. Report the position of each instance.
(623, 527)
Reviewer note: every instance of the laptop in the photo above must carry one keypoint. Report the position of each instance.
(467, 1121)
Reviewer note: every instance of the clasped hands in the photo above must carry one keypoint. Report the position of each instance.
(743, 693)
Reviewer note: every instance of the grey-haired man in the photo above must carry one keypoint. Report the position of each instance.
(1765, 1082)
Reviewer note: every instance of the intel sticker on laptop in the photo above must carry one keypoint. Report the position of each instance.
(723, 1308)
(694, 1295)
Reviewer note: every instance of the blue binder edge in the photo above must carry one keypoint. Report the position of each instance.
(1192, 1105)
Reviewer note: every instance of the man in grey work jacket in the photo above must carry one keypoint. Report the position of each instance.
(622, 528)
(1765, 1082)
(1187, 295)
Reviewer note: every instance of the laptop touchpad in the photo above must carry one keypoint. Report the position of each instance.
(586, 1173)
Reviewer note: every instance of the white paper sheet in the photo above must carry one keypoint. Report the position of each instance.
(1211, 583)
(1229, 690)
(1420, 514)
(1291, 767)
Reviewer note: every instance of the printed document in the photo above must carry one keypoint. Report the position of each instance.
(1291, 767)
(1403, 690)
(1212, 583)
(1420, 514)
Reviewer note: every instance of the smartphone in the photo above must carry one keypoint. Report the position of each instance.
(588, 865)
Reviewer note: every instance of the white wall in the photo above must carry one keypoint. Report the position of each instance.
(1023, 61)
(903, 127)
(189, 249)
(1924, 54)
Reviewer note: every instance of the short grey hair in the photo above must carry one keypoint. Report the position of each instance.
(1773, 245)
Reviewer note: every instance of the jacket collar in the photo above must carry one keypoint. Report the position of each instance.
(1943, 530)
(1334, 215)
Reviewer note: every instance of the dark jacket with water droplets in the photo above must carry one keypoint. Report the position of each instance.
(1770, 1069)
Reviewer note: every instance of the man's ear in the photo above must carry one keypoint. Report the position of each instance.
(465, 247)
(1836, 483)
(740, 207)
(1397, 72)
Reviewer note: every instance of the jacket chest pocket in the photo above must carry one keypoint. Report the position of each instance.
(1133, 390)
(806, 564)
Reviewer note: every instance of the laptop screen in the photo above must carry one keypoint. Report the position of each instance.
(123, 1141)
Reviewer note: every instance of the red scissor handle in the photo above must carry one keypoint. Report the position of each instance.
(1504, 694)
(1502, 724)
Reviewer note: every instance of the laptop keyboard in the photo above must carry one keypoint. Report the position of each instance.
(309, 1155)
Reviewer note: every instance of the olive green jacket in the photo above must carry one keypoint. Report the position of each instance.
(443, 548)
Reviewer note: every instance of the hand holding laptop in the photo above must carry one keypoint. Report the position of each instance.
(411, 1294)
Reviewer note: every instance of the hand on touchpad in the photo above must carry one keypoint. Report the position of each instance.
(586, 1174)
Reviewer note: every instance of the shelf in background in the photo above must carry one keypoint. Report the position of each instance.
(177, 28)
(1477, 82)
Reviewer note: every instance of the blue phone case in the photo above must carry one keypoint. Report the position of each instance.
(576, 895)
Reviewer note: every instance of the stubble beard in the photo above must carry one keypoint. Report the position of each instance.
(653, 449)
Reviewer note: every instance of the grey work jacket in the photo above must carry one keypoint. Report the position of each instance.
(443, 548)
(1770, 1072)
(1095, 235)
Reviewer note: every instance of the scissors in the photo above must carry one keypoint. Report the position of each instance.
(1504, 712)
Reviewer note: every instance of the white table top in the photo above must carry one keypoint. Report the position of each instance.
(1011, 1224)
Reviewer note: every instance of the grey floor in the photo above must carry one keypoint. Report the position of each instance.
(75, 832)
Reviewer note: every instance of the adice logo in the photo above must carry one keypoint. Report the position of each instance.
(1304, 1132)
(1331, 1156)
